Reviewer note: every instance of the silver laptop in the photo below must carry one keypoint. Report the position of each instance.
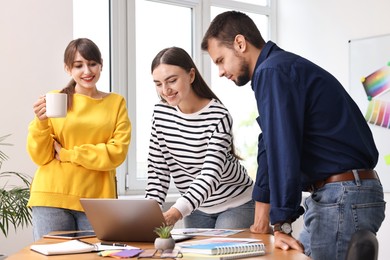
(124, 220)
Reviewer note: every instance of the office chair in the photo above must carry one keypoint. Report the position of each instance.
(363, 246)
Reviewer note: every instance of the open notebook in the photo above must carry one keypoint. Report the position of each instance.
(125, 220)
(76, 247)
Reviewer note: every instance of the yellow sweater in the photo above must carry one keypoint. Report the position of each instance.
(95, 136)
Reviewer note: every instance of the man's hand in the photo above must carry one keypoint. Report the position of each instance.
(172, 216)
(286, 242)
(261, 222)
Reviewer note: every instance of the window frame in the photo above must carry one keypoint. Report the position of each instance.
(123, 63)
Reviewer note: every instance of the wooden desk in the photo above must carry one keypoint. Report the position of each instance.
(271, 252)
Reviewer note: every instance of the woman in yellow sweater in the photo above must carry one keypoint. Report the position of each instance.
(76, 155)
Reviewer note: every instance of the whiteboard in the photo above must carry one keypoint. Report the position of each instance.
(370, 88)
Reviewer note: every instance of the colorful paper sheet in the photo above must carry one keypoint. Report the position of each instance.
(378, 113)
(377, 83)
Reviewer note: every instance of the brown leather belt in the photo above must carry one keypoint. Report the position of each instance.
(344, 176)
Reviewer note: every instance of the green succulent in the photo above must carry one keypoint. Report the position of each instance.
(163, 231)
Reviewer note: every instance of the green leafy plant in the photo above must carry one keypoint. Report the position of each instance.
(163, 231)
(13, 199)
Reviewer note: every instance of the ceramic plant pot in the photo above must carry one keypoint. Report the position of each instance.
(164, 243)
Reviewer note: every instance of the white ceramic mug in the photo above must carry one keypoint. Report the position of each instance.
(56, 104)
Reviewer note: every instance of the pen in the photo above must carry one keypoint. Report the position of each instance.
(112, 244)
(85, 242)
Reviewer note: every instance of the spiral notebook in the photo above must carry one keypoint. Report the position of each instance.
(223, 246)
(223, 257)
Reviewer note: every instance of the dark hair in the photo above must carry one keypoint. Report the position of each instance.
(178, 57)
(226, 26)
(89, 51)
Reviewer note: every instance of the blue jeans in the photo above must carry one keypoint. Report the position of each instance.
(335, 211)
(238, 217)
(48, 219)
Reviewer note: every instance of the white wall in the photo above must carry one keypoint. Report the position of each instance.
(320, 30)
(33, 36)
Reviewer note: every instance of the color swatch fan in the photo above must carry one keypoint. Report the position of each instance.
(378, 84)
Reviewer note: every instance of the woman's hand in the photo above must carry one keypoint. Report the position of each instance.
(39, 108)
(57, 149)
(172, 216)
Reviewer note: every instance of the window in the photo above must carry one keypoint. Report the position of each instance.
(141, 28)
(241, 102)
(151, 37)
(255, 2)
(96, 27)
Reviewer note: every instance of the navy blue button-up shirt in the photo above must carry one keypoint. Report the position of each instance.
(311, 129)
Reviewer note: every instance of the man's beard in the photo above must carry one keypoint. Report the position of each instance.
(243, 78)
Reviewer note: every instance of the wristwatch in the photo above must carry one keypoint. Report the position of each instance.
(283, 227)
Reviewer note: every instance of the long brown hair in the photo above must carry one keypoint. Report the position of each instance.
(179, 57)
(89, 51)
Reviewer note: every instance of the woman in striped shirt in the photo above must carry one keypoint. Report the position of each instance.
(191, 142)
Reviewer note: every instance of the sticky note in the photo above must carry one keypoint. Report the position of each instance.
(108, 252)
(127, 253)
(387, 159)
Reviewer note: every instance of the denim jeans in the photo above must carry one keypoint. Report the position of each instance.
(48, 219)
(335, 211)
(238, 217)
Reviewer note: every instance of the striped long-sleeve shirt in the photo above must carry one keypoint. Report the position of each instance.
(194, 149)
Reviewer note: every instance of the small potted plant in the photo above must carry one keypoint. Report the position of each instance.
(164, 240)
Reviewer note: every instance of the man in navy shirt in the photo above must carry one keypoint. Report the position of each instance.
(314, 138)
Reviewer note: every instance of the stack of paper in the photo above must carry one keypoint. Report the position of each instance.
(212, 232)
